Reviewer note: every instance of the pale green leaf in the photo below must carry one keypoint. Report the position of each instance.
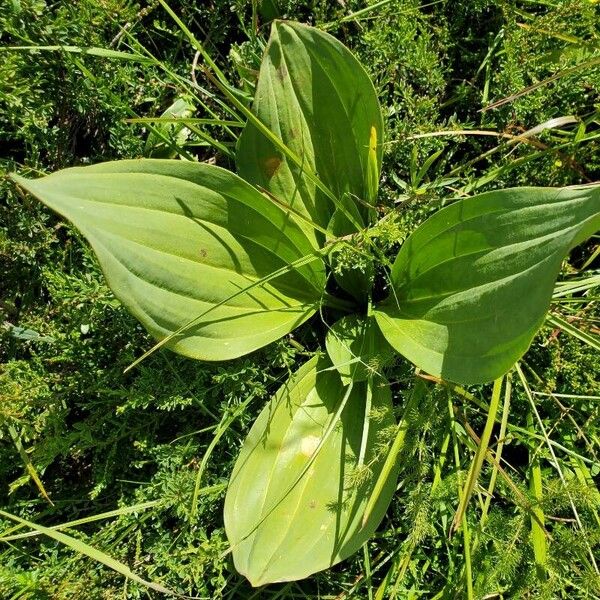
(298, 489)
(357, 348)
(186, 243)
(315, 96)
(156, 147)
(471, 286)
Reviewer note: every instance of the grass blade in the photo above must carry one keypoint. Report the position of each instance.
(390, 460)
(461, 494)
(585, 65)
(28, 464)
(89, 551)
(555, 462)
(591, 340)
(538, 537)
(92, 51)
(105, 515)
(479, 455)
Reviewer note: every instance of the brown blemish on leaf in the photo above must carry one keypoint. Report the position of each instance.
(271, 165)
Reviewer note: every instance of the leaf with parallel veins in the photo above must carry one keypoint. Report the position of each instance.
(186, 243)
(472, 285)
(316, 97)
(292, 507)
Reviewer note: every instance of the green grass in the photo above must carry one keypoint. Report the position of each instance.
(98, 465)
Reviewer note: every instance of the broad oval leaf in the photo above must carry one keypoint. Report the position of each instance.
(471, 286)
(191, 245)
(289, 514)
(356, 348)
(318, 100)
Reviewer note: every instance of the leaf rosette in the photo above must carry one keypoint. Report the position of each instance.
(217, 265)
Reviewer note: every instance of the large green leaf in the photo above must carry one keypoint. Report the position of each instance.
(289, 514)
(315, 96)
(180, 241)
(471, 286)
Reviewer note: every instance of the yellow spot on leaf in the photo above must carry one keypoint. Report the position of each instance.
(373, 142)
(309, 444)
(372, 166)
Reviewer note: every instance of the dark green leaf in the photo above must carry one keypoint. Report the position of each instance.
(471, 286)
(315, 96)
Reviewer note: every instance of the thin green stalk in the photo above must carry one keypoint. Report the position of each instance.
(83, 548)
(556, 464)
(92, 51)
(516, 428)
(479, 454)
(186, 121)
(368, 572)
(190, 86)
(590, 340)
(404, 561)
(169, 143)
(499, 448)
(464, 523)
(584, 65)
(366, 423)
(31, 470)
(397, 445)
(195, 43)
(222, 428)
(437, 470)
(565, 288)
(105, 515)
(538, 536)
(364, 13)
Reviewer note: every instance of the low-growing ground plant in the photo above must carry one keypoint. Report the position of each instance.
(217, 265)
(475, 96)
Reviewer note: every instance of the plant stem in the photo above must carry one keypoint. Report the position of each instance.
(390, 461)
(461, 495)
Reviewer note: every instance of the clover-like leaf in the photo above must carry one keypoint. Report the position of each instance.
(303, 478)
(316, 97)
(471, 286)
(192, 246)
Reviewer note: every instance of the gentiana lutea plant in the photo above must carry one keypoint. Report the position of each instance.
(217, 265)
